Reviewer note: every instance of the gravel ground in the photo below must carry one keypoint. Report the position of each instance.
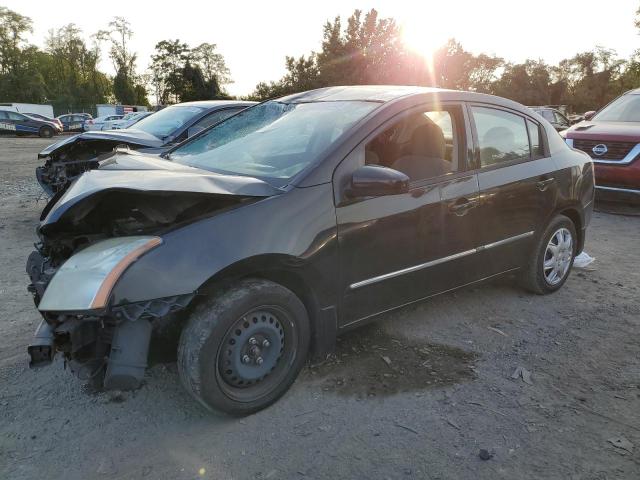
(417, 394)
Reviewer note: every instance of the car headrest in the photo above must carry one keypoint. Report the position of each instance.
(500, 138)
(428, 141)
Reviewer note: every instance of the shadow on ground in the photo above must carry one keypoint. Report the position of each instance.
(370, 363)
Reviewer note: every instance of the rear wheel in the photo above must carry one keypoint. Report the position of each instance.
(46, 132)
(552, 257)
(244, 347)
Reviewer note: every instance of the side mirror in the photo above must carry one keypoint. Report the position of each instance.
(589, 115)
(377, 181)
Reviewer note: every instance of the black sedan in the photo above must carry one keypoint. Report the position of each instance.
(20, 124)
(65, 160)
(294, 221)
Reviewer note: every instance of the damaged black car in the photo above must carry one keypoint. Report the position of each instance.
(295, 220)
(65, 160)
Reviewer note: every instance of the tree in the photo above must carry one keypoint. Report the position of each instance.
(211, 63)
(166, 67)
(179, 73)
(126, 82)
(70, 67)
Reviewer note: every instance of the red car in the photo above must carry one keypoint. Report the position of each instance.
(611, 137)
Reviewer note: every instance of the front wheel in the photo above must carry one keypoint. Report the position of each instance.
(552, 258)
(46, 132)
(243, 348)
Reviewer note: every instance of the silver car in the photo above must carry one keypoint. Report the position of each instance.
(127, 121)
(100, 123)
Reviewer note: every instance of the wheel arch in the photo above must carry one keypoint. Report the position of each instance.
(574, 215)
(295, 275)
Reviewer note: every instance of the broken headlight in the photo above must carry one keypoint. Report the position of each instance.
(85, 280)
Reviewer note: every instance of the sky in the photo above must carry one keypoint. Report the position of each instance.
(255, 36)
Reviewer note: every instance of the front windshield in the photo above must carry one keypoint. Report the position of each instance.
(624, 109)
(163, 123)
(273, 140)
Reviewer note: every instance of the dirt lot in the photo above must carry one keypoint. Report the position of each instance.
(445, 393)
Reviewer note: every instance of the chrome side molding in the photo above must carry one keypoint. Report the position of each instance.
(437, 261)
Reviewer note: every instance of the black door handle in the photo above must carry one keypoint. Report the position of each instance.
(543, 184)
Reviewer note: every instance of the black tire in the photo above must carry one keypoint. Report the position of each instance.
(533, 276)
(210, 360)
(46, 132)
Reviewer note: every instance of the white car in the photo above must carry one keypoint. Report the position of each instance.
(128, 120)
(100, 123)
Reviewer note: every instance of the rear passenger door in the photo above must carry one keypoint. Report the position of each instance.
(517, 184)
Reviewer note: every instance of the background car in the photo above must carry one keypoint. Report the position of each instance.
(554, 116)
(611, 137)
(100, 123)
(127, 121)
(47, 119)
(156, 133)
(20, 124)
(297, 220)
(73, 122)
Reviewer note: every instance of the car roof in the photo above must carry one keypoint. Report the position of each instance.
(391, 93)
(371, 93)
(215, 103)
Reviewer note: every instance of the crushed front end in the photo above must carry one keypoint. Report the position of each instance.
(101, 342)
(91, 236)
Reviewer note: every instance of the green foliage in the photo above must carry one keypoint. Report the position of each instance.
(370, 50)
(367, 49)
(180, 73)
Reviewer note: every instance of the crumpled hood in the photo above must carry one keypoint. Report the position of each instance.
(129, 171)
(130, 136)
(611, 131)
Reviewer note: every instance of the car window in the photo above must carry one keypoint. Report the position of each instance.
(3, 115)
(168, 120)
(560, 119)
(547, 115)
(502, 136)
(256, 141)
(537, 148)
(16, 116)
(78, 118)
(423, 145)
(214, 118)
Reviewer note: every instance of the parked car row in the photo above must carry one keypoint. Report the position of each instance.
(267, 230)
(12, 121)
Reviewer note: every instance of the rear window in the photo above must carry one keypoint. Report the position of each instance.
(502, 136)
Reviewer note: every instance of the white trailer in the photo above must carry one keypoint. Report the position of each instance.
(46, 110)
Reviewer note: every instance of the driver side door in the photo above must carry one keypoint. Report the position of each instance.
(396, 249)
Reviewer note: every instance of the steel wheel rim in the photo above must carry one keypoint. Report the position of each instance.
(247, 381)
(558, 256)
